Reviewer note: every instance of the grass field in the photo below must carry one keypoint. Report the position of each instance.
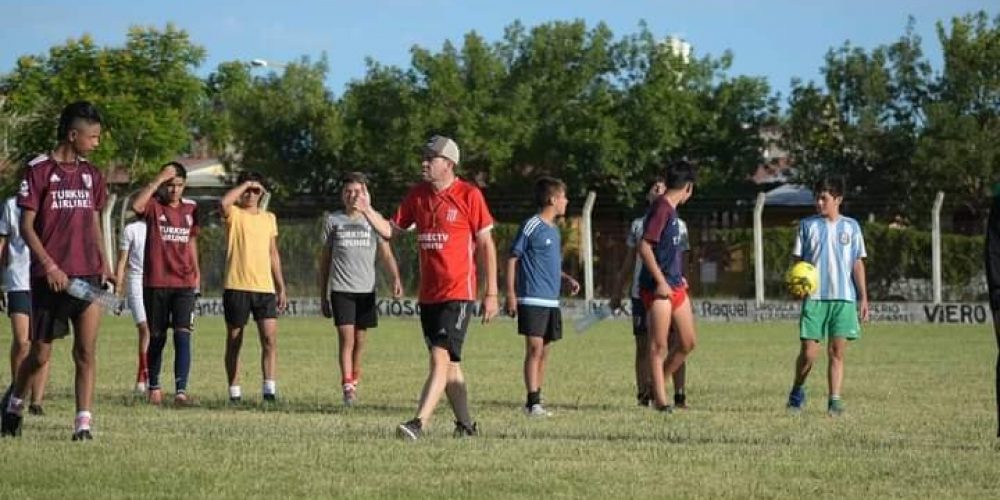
(919, 424)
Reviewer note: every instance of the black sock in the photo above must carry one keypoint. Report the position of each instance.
(534, 398)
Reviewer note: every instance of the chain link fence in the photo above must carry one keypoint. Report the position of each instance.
(719, 264)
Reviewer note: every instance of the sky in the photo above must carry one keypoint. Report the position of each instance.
(776, 39)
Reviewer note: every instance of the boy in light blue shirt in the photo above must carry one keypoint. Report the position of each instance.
(833, 244)
(534, 277)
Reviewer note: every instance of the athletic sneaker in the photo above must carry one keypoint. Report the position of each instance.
(643, 398)
(82, 435)
(467, 430)
(411, 429)
(140, 387)
(82, 426)
(680, 401)
(36, 410)
(537, 410)
(10, 422)
(668, 409)
(835, 408)
(155, 397)
(350, 394)
(796, 399)
(182, 400)
(270, 397)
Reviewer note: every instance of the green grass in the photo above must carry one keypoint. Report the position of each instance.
(920, 422)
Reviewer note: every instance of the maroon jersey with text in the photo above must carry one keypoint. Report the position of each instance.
(65, 198)
(170, 233)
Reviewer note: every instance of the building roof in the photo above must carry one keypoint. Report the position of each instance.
(205, 172)
(789, 195)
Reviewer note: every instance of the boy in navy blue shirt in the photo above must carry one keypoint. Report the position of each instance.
(662, 286)
(534, 275)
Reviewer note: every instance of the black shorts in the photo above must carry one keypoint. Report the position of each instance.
(638, 317)
(19, 303)
(51, 312)
(169, 308)
(238, 304)
(539, 321)
(356, 309)
(445, 325)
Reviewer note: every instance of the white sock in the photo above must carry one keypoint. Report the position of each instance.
(82, 420)
(270, 386)
(235, 391)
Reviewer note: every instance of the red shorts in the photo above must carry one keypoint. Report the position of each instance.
(676, 297)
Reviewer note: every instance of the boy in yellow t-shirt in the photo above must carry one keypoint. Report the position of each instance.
(254, 282)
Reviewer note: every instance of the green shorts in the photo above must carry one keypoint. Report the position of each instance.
(829, 318)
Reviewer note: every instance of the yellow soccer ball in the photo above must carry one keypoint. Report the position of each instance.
(802, 279)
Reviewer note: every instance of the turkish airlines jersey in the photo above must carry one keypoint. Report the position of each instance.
(169, 261)
(65, 198)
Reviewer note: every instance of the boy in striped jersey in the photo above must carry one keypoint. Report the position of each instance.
(534, 275)
(834, 244)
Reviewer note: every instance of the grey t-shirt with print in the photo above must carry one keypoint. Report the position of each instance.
(352, 242)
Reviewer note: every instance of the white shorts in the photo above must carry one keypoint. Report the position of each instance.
(134, 298)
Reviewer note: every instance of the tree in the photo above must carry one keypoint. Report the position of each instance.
(382, 130)
(900, 133)
(959, 150)
(562, 82)
(286, 126)
(146, 90)
(864, 127)
(725, 140)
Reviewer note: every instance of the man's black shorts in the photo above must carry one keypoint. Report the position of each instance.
(445, 325)
(237, 305)
(356, 309)
(169, 308)
(539, 321)
(52, 312)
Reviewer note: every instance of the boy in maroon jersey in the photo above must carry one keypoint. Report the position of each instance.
(170, 274)
(61, 198)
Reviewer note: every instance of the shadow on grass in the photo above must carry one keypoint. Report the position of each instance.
(333, 407)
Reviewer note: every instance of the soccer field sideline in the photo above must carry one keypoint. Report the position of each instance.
(919, 422)
(719, 309)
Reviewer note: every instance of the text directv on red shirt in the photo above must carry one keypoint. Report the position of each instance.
(447, 224)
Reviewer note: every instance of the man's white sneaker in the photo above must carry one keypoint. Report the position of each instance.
(537, 410)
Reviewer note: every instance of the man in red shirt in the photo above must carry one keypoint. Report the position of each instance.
(170, 274)
(61, 198)
(453, 225)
